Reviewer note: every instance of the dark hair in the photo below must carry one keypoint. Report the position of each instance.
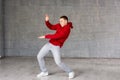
(64, 17)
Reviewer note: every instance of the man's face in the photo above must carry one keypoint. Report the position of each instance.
(63, 22)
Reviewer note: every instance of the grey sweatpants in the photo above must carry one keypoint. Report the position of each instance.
(56, 54)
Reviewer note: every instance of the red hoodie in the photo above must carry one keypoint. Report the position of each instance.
(60, 35)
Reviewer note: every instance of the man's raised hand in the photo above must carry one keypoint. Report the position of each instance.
(46, 17)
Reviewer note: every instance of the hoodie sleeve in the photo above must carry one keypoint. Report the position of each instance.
(51, 26)
(62, 34)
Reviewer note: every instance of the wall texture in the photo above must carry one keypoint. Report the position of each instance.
(96, 23)
(1, 30)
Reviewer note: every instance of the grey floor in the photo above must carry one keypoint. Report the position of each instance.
(26, 68)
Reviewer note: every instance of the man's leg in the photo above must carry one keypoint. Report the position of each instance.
(57, 57)
(40, 57)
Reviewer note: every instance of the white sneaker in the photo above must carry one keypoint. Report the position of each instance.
(71, 75)
(42, 74)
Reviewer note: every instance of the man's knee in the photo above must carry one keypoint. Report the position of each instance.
(39, 56)
(58, 63)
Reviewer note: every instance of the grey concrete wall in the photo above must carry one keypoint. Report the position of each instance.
(1, 30)
(96, 23)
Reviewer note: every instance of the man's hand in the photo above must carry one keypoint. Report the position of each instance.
(41, 37)
(46, 17)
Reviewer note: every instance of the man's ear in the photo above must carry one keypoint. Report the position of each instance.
(66, 21)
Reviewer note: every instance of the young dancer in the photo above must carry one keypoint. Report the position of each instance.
(56, 41)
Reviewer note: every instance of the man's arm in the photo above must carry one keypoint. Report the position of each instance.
(41, 37)
(63, 34)
(60, 35)
(48, 24)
